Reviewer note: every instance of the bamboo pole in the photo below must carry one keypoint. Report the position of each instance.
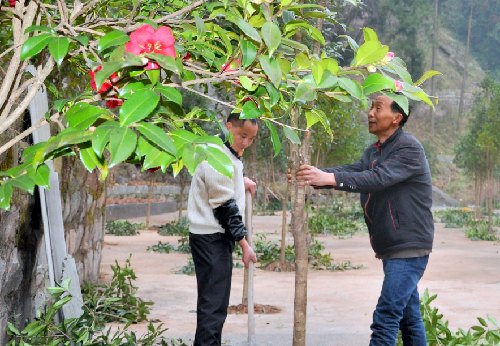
(250, 296)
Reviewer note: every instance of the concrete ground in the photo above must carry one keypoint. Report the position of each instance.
(464, 274)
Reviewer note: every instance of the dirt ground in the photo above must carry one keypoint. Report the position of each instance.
(464, 274)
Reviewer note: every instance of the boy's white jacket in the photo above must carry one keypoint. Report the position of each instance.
(209, 190)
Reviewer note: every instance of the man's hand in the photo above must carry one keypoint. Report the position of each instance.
(250, 185)
(310, 175)
(248, 253)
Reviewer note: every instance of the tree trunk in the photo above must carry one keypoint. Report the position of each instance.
(23, 262)
(83, 198)
(298, 195)
(435, 30)
(464, 76)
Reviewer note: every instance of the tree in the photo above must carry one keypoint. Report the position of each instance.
(478, 151)
(140, 54)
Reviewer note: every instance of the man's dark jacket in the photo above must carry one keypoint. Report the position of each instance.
(394, 180)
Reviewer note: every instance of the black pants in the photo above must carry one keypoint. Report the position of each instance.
(213, 263)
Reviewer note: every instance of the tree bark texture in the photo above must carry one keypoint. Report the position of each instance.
(299, 155)
(83, 201)
(23, 262)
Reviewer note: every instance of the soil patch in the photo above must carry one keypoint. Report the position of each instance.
(257, 308)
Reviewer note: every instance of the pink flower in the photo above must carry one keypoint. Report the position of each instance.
(108, 83)
(398, 86)
(113, 103)
(388, 57)
(231, 66)
(148, 40)
(12, 3)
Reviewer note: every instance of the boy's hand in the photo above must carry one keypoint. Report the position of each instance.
(248, 253)
(250, 185)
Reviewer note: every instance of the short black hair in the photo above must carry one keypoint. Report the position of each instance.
(234, 118)
(396, 108)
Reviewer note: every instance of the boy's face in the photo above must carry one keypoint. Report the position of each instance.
(243, 135)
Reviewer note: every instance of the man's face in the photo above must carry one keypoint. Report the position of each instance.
(382, 121)
(243, 135)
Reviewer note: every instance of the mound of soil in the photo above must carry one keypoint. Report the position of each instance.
(257, 308)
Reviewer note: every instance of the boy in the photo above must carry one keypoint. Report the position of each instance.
(215, 208)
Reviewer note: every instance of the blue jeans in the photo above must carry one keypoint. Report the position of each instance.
(398, 306)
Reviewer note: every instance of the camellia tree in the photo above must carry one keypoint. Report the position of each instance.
(140, 55)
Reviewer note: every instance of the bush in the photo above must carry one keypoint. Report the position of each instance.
(122, 228)
(479, 231)
(161, 247)
(336, 218)
(188, 269)
(455, 218)
(102, 304)
(179, 227)
(438, 332)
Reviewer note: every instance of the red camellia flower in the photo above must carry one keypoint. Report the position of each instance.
(113, 103)
(12, 3)
(108, 83)
(148, 40)
(152, 170)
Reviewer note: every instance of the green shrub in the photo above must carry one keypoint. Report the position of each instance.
(478, 230)
(188, 269)
(179, 227)
(337, 218)
(122, 227)
(116, 301)
(183, 245)
(438, 332)
(455, 218)
(117, 304)
(161, 247)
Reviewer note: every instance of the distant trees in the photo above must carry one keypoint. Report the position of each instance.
(478, 151)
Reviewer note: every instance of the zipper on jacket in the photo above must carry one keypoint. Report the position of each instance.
(392, 217)
(369, 196)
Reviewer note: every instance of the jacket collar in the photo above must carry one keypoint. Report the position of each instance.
(228, 145)
(396, 134)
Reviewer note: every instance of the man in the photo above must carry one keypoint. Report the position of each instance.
(216, 204)
(394, 180)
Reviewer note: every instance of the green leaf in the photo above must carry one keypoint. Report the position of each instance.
(67, 137)
(294, 44)
(352, 87)
(41, 176)
(35, 45)
(317, 70)
(272, 69)
(249, 53)
(397, 65)
(247, 83)
(401, 100)
(291, 134)
(122, 144)
(82, 115)
(138, 107)
(23, 182)
(272, 36)
(305, 92)
(101, 136)
(167, 62)
(89, 159)
(156, 158)
(182, 137)
(219, 161)
(302, 61)
(83, 39)
(112, 39)
(369, 35)
(59, 304)
(376, 82)
(157, 136)
(132, 88)
(193, 155)
(315, 115)
(42, 28)
(153, 76)
(274, 94)
(5, 195)
(370, 52)
(108, 68)
(170, 93)
(248, 30)
(58, 48)
(427, 75)
(250, 111)
(275, 138)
